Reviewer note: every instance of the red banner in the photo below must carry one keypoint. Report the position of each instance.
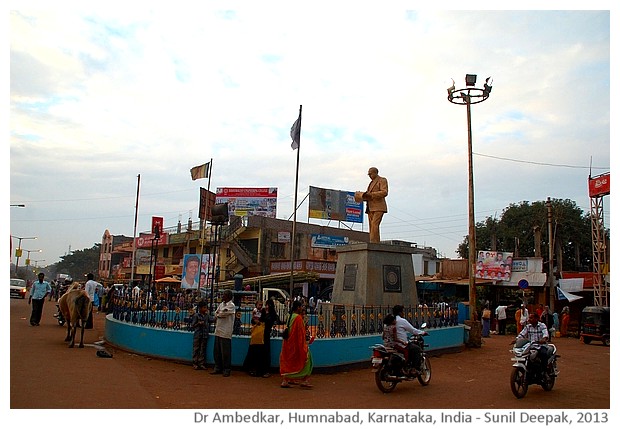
(157, 223)
(599, 185)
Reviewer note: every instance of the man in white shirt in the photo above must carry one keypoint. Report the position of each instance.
(500, 312)
(222, 347)
(91, 289)
(402, 328)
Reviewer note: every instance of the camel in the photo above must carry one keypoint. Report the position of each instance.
(76, 307)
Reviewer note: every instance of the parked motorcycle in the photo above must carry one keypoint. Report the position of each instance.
(529, 369)
(59, 316)
(390, 366)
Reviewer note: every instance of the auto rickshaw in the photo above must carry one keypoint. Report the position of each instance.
(595, 325)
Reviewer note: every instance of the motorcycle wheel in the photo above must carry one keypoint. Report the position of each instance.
(518, 383)
(548, 380)
(424, 377)
(384, 385)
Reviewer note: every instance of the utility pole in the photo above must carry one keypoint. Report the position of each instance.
(551, 277)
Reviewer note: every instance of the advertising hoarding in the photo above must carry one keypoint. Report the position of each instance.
(249, 201)
(331, 204)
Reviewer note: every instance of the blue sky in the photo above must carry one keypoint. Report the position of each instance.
(98, 96)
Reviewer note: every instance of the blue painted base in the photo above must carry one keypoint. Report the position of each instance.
(326, 352)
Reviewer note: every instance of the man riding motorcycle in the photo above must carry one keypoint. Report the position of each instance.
(412, 351)
(536, 331)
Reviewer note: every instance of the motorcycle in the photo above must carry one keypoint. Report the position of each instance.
(59, 316)
(529, 369)
(390, 366)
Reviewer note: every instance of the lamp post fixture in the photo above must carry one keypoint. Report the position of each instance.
(468, 96)
(28, 257)
(18, 251)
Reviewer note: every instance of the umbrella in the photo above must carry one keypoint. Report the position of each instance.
(168, 280)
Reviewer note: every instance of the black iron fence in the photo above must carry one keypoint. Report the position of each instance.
(327, 321)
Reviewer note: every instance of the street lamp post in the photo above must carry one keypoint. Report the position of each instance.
(468, 96)
(28, 257)
(18, 251)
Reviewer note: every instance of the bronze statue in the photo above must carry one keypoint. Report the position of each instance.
(375, 202)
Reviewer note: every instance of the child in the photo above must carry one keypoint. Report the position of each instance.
(389, 330)
(200, 325)
(257, 312)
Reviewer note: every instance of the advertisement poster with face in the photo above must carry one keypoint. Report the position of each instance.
(493, 265)
(195, 271)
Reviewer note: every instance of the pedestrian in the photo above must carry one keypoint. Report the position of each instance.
(564, 320)
(135, 292)
(524, 316)
(38, 292)
(222, 347)
(500, 314)
(91, 289)
(200, 325)
(547, 319)
(270, 318)
(295, 357)
(518, 320)
(486, 321)
(253, 358)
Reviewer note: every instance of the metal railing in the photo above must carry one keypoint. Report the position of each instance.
(327, 321)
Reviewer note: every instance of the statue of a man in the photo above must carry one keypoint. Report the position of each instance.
(375, 202)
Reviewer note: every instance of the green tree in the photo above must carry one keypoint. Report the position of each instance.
(516, 231)
(79, 263)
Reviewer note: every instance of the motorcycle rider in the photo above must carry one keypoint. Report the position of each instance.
(413, 351)
(536, 331)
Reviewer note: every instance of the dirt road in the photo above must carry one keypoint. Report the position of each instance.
(46, 374)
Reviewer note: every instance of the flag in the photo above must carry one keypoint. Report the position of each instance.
(562, 294)
(200, 171)
(296, 132)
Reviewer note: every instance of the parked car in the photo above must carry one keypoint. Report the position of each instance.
(18, 288)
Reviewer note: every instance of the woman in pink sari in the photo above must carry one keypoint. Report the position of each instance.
(295, 358)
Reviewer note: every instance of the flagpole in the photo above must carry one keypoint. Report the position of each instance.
(204, 227)
(295, 209)
(135, 226)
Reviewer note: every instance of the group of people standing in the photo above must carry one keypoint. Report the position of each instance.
(552, 320)
(295, 358)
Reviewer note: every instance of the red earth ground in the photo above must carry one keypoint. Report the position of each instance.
(46, 374)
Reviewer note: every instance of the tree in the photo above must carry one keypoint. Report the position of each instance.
(515, 232)
(79, 263)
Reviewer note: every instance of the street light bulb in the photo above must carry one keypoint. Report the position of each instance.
(470, 79)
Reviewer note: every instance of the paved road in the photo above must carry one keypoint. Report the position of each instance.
(46, 374)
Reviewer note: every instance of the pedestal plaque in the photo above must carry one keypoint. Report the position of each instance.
(375, 274)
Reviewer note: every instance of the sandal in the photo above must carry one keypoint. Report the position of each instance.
(285, 385)
(306, 384)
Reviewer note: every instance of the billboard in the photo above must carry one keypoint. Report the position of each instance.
(599, 186)
(195, 273)
(494, 265)
(249, 201)
(331, 204)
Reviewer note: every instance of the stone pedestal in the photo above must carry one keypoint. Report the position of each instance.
(375, 274)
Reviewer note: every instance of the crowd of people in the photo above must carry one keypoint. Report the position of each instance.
(554, 322)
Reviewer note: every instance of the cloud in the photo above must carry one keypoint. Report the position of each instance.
(100, 96)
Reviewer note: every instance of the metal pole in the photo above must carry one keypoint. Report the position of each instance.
(295, 213)
(550, 279)
(472, 220)
(135, 226)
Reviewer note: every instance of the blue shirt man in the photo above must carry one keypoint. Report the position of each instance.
(38, 292)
